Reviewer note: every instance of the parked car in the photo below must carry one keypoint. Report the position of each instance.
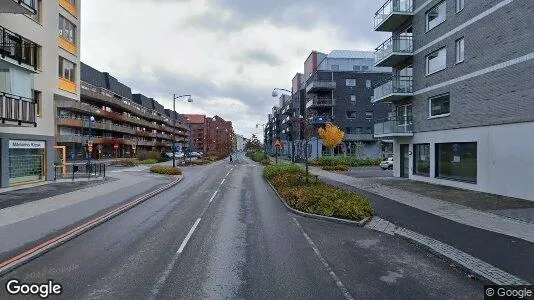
(176, 154)
(387, 164)
(195, 154)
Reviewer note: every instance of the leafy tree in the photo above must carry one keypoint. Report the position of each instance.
(331, 136)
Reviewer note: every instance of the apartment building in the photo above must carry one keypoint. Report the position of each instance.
(196, 127)
(39, 63)
(111, 122)
(338, 89)
(218, 134)
(462, 92)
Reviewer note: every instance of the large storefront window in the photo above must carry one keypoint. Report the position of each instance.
(26, 161)
(457, 161)
(421, 159)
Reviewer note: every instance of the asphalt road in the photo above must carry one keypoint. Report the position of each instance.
(222, 233)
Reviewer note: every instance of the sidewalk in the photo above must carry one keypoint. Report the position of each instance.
(29, 222)
(390, 189)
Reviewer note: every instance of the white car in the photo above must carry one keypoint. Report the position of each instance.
(176, 154)
(387, 164)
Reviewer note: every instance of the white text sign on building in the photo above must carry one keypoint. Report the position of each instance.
(13, 144)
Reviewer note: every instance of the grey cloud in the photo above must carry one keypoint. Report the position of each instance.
(261, 56)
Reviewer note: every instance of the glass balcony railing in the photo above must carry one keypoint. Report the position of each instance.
(400, 126)
(397, 88)
(16, 109)
(320, 102)
(401, 45)
(390, 8)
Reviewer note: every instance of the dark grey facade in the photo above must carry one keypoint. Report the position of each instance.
(462, 92)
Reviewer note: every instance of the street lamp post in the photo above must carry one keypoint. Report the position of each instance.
(91, 120)
(174, 97)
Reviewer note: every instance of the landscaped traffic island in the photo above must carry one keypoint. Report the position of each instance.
(316, 197)
(165, 170)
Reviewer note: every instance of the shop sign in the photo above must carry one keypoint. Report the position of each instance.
(16, 144)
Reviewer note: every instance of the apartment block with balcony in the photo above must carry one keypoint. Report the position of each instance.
(338, 89)
(462, 92)
(218, 134)
(35, 70)
(196, 126)
(124, 123)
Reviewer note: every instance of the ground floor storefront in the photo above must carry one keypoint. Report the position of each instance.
(25, 159)
(491, 159)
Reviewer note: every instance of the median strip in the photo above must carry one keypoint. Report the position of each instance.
(20, 259)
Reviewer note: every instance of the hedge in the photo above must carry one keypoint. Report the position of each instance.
(350, 161)
(343, 168)
(166, 170)
(149, 161)
(125, 162)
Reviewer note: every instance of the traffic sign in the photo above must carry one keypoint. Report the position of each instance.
(277, 144)
(90, 143)
(90, 148)
(116, 146)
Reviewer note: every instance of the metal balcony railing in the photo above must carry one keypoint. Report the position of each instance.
(401, 126)
(320, 85)
(391, 7)
(17, 109)
(399, 44)
(30, 5)
(398, 85)
(16, 47)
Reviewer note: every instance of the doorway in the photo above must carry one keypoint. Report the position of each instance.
(405, 160)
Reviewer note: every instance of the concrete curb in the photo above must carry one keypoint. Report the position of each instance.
(318, 217)
(28, 255)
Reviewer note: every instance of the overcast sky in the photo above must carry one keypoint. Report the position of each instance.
(229, 54)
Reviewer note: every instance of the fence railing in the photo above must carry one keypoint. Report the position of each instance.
(402, 44)
(397, 85)
(18, 48)
(390, 7)
(77, 171)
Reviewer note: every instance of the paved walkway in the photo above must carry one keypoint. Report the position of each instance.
(452, 211)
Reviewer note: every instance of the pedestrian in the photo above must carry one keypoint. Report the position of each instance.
(231, 158)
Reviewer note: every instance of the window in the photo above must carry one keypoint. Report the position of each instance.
(351, 115)
(353, 99)
(368, 130)
(460, 50)
(439, 106)
(368, 83)
(67, 29)
(357, 130)
(457, 161)
(38, 102)
(365, 68)
(436, 61)
(67, 69)
(350, 82)
(38, 16)
(356, 68)
(436, 15)
(368, 115)
(421, 162)
(335, 67)
(348, 130)
(459, 5)
(5, 81)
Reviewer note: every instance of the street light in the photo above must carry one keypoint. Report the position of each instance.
(275, 93)
(89, 142)
(174, 97)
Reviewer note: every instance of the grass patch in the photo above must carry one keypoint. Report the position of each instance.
(316, 197)
(166, 170)
(350, 161)
(149, 161)
(125, 162)
(257, 156)
(342, 168)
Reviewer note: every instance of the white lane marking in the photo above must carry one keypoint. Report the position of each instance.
(336, 279)
(213, 196)
(182, 246)
(223, 181)
(170, 266)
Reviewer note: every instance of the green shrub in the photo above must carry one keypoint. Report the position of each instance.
(266, 162)
(345, 160)
(336, 168)
(320, 198)
(270, 171)
(125, 162)
(166, 170)
(257, 156)
(144, 155)
(149, 161)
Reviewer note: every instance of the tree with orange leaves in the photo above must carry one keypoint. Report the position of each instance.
(331, 136)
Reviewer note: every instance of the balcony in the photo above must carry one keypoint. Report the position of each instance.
(398, 88)
(394, 51)
(17, 110)
(16, 49)
(359, 137)
(393, 14)
(394, 127)
(315, 86)
(18, 6)
(316, 102)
